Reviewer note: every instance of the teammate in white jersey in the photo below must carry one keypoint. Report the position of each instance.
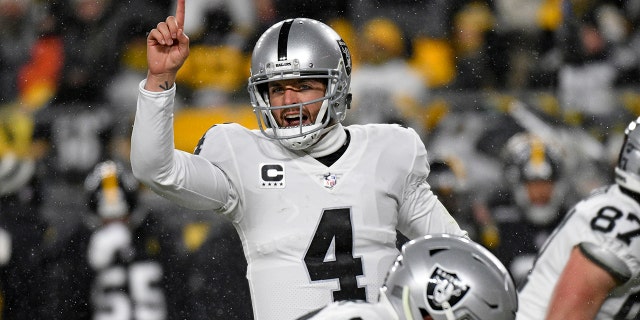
(437, 277)
(589, 268)
(316, 204)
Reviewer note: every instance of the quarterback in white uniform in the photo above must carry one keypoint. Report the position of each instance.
(592, 260)
(316, 204)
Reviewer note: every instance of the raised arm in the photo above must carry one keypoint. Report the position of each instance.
(188, 180)
(167, 50)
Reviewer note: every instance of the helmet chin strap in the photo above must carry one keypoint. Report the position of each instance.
(448, 312)
(406, 303)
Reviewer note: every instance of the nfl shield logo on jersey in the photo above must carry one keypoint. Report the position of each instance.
(444, 287)
(330, 180)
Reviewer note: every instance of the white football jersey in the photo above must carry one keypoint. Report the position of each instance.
(311, 234)
(608, 218)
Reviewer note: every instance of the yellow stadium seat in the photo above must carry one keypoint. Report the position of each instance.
(434, 60)
(191, 123)
(550, 14)
(214, 67)
(347, 32)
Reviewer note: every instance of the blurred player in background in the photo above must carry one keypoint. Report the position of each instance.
(531, 203)
(113, 265)
(23, 229)
(592, 260)
(448, 180)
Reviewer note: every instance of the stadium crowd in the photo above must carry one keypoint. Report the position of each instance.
(521, 104)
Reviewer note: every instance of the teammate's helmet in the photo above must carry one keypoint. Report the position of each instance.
(628, 167)
(111, 190)
(449, 277)
(300, 48)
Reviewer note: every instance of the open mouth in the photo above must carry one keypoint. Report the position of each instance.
(295, 120)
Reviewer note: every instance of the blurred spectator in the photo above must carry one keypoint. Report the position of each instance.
(456, 136)
(466, 54)
(20, 31)
(588, 73)
(22, 238)
(431, 18)
(30, 66)
(17, 165)
(95, 33)
(132, 68)
(71, 139)
(89, 29)
(76, 129)
(121, 91)
(585, 159)
(22, 227)
(217, 67)
(237, 17)
(426, 26)
(448, 181)
(146, 10)
(271, 11)
(531, 203)
(38, 78)
(214, 271)
(524, 33)
(385, 88)
(472, 27)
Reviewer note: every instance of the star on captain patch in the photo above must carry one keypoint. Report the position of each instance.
(330, 180)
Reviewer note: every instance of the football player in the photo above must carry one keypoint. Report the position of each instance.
(23, 227)
(316, 204)
(592, 260)
(112, 265)
(530, 204)
(437, 277)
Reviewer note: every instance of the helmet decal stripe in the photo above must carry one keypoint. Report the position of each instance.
(283, 39)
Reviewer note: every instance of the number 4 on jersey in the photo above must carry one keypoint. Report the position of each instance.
(335, 226)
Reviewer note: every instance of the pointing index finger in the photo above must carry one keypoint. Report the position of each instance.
(180, 14)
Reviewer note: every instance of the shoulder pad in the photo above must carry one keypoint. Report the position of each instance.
(607, 260)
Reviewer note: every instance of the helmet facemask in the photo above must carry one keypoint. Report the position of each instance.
(300, 136)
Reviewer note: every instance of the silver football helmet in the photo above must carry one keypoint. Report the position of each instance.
(628, 167)
(300, 48)
(449, 277)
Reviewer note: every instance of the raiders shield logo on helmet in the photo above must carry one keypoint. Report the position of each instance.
(444, 287)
